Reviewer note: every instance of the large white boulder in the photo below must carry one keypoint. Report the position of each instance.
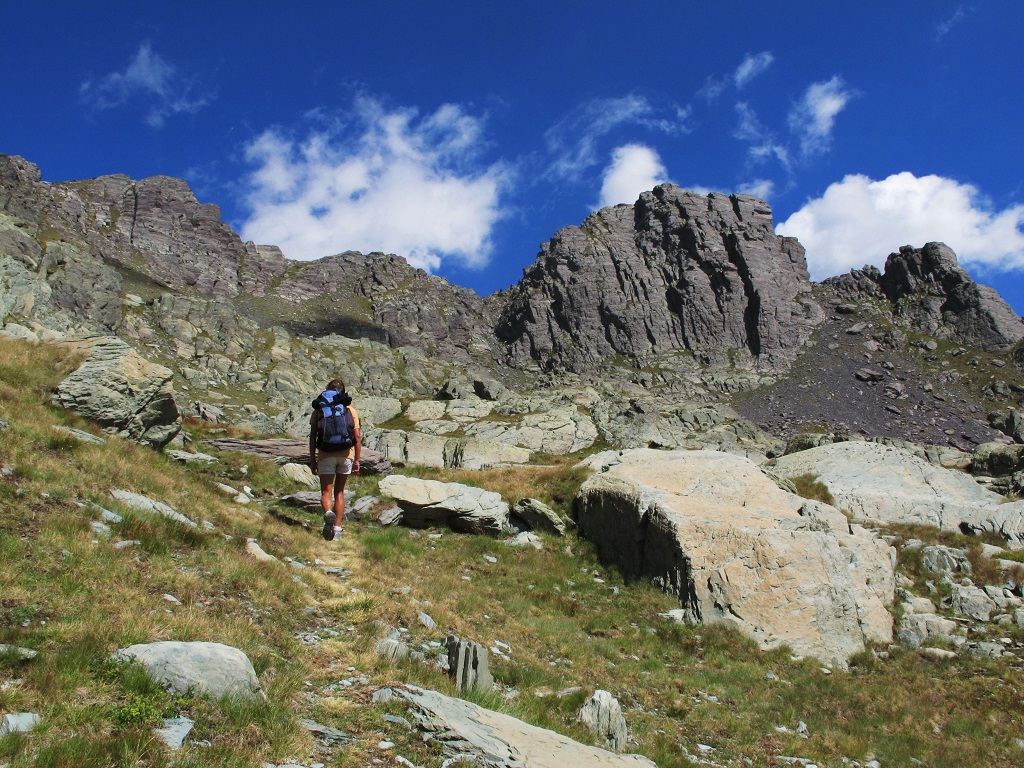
(717, 532)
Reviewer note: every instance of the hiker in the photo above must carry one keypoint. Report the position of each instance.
(333, 451)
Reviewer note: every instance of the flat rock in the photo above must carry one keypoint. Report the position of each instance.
(885, 484)
(145, 504)
(714, 530)
(19, 723)
(460, 507)
(501, 741)
(174, 731)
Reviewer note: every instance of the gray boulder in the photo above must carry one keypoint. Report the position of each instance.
(460, 507)
(497, 740)
(972, 602)
(145, 504)
(715, 531)
(123, 393)
(539, 516)
(211, 669)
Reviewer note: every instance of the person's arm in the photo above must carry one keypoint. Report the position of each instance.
(358, 447)
(312, 441)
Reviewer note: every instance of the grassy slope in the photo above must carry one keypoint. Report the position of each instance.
(65, 591)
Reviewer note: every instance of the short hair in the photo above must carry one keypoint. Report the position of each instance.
(336, 384)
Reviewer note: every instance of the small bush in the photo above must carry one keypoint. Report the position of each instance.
(810, 487)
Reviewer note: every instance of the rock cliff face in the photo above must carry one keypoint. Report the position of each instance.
(95, 240)
(675, 270)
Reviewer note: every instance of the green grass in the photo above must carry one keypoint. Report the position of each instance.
(569, 620)
(810, 487)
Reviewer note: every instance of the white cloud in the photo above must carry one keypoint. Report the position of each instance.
(752, 66)
(389, 180)
(859, 221)
(763, 188)
(763, 144)
(944, 28)
(148, 78)
(813, 117)
(574, 140)
(634, 169)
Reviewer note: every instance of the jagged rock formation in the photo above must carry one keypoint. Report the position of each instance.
(122, 392)
(930, 293)
(677, 270)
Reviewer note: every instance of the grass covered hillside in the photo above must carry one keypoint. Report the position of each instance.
(559, 625)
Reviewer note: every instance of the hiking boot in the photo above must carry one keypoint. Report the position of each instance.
(338, 530)
(328, 531)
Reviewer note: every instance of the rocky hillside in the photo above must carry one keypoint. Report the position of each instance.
(680, 321)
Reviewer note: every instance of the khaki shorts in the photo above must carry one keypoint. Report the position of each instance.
(331, 464)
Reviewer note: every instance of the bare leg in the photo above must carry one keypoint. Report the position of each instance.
(326, 497)
(339, 499)
(327, 491)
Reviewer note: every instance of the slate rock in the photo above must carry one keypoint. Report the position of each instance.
(145, 504)
(602, 716)
(19, 723)
(468, 665)
(174, 731)
(497, 740)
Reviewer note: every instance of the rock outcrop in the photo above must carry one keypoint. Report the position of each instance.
(676, 270)
(122, 392)
(885, 484)
(714, 530)
(930, 293)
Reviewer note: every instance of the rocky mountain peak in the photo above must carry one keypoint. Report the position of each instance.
(675, 270)
(930, 293)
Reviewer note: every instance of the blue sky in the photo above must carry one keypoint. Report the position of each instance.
(463, 134)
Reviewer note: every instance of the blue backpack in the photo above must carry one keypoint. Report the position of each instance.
(336, 427)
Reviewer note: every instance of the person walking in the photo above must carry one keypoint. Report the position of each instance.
(334, 449)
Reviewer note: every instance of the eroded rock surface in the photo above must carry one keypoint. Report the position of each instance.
(886, 484)
(717, 532)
